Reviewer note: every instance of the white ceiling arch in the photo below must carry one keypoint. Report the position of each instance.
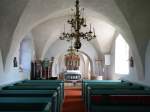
(46, 33)
(38, 11)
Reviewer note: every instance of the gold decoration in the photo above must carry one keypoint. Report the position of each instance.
(77, 21)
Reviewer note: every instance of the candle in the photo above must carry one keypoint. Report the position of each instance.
(85, 21)
(94, 30)
(90, 27)
(64, 27)
(83, 13)
(71, 29)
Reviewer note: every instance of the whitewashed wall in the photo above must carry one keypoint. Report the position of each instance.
(147, 65)
(133, 71)
(13, 74)
(60, 47)
(1, 67)
(38, 11)
(133, 77)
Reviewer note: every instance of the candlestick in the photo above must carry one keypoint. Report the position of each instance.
(64, 27)
(90, 27)
(83, 13)
(85, 21)
(93, 30)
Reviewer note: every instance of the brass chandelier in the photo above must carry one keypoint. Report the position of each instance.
(77, 21)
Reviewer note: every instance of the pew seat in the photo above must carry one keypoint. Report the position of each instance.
(120, 100)
(25, 103)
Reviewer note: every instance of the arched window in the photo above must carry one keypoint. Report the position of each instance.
(121, 56)
(25, 54)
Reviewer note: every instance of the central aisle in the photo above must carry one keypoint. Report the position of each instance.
(73, 101)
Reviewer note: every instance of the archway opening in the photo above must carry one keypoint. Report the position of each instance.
(85, 67)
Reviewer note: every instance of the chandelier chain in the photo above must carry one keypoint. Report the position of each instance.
(77, 22)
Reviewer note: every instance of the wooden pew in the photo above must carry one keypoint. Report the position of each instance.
(101, 85)
(33, 93)
(23, 111)
(118, 100)
(25, 103)
(35, 85)
(52, 87)
(112, 87)
(28, 93)
(86, 82)
(45, 82)
(40, 87)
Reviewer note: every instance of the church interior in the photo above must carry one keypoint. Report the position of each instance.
(74, 55)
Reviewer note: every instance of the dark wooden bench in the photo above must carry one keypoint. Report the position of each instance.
(44, 82)
(119, 101)
(33, 93)
(87, 82)
(57, 88)
(25, 103)
(111, 86)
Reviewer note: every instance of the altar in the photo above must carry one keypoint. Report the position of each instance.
(72, 75)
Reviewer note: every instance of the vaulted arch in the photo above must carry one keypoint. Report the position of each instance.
(37, 12)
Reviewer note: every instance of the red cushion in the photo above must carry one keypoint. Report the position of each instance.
(96, 99)
(130, 99)
(145, 99)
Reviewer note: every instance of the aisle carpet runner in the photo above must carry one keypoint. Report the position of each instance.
(73, 101)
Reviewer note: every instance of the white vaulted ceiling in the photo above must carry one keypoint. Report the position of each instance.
(45, 19)
(49, 32)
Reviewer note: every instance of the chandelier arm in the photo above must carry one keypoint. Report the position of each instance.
(78, 21)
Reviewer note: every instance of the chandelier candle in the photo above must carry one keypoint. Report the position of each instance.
(77, 21)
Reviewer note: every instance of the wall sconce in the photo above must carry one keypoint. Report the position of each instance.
(15, 64)
(131, 61)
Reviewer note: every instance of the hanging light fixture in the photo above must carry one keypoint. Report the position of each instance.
(77, 21)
